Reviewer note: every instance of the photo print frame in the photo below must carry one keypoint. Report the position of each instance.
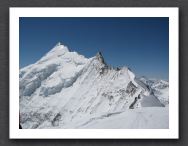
(164, 120)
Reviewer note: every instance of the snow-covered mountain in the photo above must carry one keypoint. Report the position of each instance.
(66, 90)
(160, 88)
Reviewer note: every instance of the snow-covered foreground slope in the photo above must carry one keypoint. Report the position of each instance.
(64, 87)
(139, 118)
(144, 118)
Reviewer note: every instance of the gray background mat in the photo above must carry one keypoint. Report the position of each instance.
(4, 69)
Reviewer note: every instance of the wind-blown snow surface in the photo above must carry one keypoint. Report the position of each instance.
(66, 90)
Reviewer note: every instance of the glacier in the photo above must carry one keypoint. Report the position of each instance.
(67, 90)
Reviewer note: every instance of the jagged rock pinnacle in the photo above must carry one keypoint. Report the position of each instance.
(100, 57)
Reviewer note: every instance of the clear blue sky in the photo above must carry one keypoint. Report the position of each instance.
(139, 43)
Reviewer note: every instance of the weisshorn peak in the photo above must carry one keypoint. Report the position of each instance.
(67, 90)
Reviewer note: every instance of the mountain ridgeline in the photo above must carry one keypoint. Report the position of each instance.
(65, 90)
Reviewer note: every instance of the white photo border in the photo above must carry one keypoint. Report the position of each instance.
(171, 133)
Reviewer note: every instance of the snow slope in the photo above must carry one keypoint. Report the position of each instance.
(160, 89)
(144, 118)
(64, 87)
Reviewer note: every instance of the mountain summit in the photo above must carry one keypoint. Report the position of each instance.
(100, 57)
(67, 90)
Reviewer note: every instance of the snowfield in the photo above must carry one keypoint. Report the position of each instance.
(144, 118)
(66, 90)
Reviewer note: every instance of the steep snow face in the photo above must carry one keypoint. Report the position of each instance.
(57, 69)
(64, 87)
(58, 51)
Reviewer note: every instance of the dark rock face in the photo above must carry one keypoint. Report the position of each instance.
(131, 88)
(100, 57)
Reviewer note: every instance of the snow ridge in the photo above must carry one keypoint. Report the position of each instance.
(64, 89)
